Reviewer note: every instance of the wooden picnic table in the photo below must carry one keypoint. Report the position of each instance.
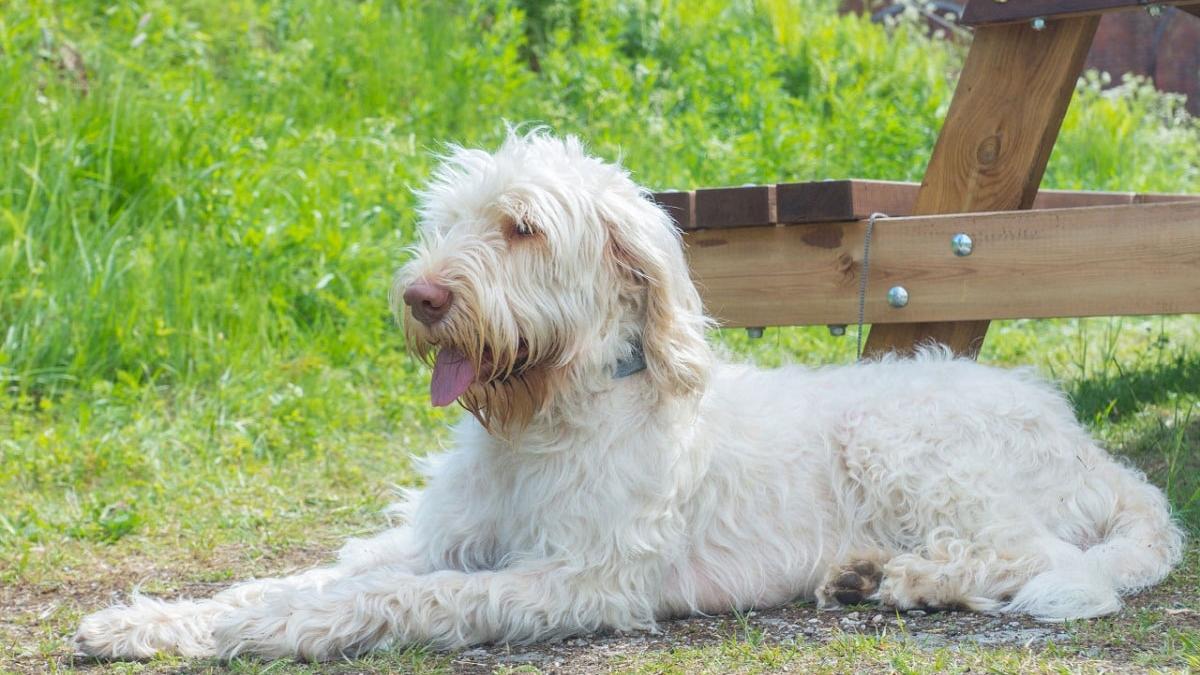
(791, 254)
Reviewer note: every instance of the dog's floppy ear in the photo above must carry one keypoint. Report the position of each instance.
(648, 253)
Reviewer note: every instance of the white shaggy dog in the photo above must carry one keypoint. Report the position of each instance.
(615, 472)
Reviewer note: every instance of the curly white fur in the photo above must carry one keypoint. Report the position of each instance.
(574, 501)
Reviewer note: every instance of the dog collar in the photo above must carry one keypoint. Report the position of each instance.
(634, 363)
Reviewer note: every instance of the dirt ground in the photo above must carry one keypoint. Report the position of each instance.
(36, 621)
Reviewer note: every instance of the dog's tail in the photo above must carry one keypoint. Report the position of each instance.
(1139, 546)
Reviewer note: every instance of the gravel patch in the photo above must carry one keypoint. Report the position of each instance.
(795, 623)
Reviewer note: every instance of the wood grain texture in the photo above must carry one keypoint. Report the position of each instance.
(1098, 261)
(990, 12)
(997, 137)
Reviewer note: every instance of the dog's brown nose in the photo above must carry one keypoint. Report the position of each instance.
(429, 302)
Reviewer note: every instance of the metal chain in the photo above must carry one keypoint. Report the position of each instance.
(862, 279)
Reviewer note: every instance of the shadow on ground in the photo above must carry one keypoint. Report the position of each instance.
(1115, 397)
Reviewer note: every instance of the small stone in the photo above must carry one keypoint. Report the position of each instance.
(916, 612)
(877, 619)
(853, 616)
(813, 621)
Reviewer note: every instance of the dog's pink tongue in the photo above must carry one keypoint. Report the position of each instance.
(452, 375)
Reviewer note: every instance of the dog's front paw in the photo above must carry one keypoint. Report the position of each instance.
(851, 584)
(113, 633)
(144, 628)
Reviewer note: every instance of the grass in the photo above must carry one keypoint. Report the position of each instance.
(201, 204)
(854, 653)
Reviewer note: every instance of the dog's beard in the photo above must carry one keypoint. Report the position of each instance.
(510, 403)
(500, 380)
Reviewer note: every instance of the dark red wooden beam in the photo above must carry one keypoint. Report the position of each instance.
(986, 12)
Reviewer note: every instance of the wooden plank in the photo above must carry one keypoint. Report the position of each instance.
(680, 206)
(993, 147)
(835, 200)
(855, 199)
(991, 12)
(735, 207)
(1066, 199)
(815, 202)
(1161, 198)
(1097, 261)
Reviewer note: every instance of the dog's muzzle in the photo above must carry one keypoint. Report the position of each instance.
(429, 302)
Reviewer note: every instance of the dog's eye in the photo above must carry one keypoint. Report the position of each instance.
(523, 228)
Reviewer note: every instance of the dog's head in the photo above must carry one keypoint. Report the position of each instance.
(537, 269)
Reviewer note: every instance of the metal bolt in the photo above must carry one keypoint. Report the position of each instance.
(897, 296)
(961, 244)
(837, 329)
(1154, 10)
(1039, 24)
(755, 332)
